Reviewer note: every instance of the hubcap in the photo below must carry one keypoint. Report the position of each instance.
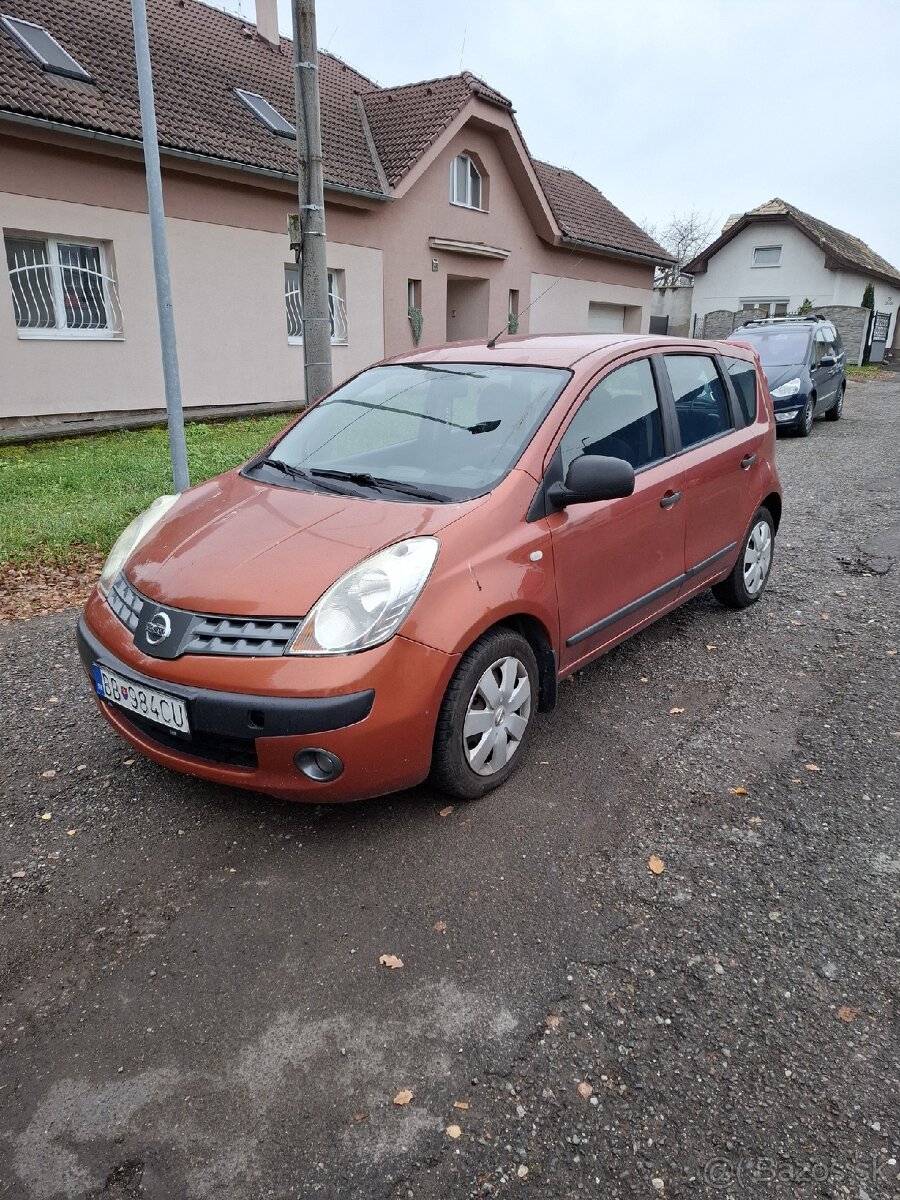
(497, 717)
(808, 415)
(757, 557)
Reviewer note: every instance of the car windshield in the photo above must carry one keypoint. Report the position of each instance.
(777, 347)
(434, 431)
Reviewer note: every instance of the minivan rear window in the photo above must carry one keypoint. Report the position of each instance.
(438, 431)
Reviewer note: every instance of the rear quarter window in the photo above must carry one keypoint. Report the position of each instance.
(743, 378)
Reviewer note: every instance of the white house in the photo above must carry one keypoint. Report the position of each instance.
(776, 256)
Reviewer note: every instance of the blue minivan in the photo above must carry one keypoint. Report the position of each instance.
(803, 359)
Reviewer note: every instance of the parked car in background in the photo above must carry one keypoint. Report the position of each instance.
(393, 588)
(804, 362)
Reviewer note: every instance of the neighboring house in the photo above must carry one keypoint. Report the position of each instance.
(432, 202)
(774, 257)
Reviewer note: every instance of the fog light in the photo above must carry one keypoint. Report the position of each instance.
(319, 765)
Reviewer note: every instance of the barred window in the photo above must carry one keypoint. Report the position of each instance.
(61, 288)
(293, 302)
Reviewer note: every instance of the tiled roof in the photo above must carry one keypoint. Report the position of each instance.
(201, 54)
(582, 212)
(846, 250)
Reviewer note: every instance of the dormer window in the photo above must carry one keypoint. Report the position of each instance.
(263, 111)
(44, 49)
(465, 182)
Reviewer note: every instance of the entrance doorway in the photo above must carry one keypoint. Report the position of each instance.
(467, 307)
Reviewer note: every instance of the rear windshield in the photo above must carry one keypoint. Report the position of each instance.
(776, 347)
(436, 431)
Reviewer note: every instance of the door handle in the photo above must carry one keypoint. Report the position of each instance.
(747, 461)
(669, 499)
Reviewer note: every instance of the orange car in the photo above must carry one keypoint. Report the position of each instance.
(394, 587)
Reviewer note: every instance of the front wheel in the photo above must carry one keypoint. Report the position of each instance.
(836, 411)
(747, 581)
(486, 717)
(804, 429)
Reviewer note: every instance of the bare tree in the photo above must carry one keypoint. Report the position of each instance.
(684, 235)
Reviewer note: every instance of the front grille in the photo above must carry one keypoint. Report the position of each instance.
(198, 633)
(212, 747)
(125, 602)
(232, 635)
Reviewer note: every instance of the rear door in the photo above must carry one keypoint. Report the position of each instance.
(719, 452)
(822, 377)
(618, 562)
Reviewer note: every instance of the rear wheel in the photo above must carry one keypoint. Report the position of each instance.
(804, 429)
(747, 581)
(486, 717)
(836, 411)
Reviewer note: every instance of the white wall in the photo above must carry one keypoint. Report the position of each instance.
(850, 288)
(731, 277)
(228, 297)
(566, 305)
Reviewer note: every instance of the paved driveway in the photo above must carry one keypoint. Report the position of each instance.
(192, 1004)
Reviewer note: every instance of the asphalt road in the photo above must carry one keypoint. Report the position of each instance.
(192, 1004)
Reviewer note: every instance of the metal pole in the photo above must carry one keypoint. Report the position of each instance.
(175, 416)
(311, 190)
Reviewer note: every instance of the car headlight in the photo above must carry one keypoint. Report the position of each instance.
(367, 605)
(791, 388)
(129, 538)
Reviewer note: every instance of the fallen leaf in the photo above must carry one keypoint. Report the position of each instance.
(461, 1104)
(755, 820)
(17, 875)
(47, 816)
(445, 812)
(546, 762)
(739, 791)
(711, 645)
(128, 762)
(644, 679)
(50, 774)
(392, 961)
(53, 856)
(552, 1021)
(403, 1097)
(799, 624)
(890, 653)
(673, 711)
(585, 1091)
(361, 1116)
(454, 1131)
(812, 767)
(656, 865)
(439, 926)
(71, 832)
(846, 1013)
(823, 616)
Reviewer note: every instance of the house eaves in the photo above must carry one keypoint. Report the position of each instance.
(616, 252)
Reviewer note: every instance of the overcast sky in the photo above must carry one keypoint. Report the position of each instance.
(667, 105)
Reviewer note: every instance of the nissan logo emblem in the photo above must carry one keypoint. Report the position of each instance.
(158, 628)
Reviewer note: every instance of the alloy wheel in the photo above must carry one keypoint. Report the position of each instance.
(757, 557)
(497, 716)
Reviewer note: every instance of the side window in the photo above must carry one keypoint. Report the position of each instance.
(819, 347)
(620, 418)
(743, 377)
(700, 400)
(838, 344)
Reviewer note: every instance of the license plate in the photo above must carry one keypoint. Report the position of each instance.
(142, 701)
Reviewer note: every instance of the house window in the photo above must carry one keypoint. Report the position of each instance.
(765, 308)
(293, 303)
(62, 288)
(513, 302)
(45, 49)
(767, 256)
(465, 182)
(413, 294)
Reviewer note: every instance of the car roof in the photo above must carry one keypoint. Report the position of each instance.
(554, 349)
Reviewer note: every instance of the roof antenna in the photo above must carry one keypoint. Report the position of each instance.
(462, 50)
(492, 342)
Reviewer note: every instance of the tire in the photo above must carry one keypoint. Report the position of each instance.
(467, 767)
(744, 585)
(804, 428)
(837, 409)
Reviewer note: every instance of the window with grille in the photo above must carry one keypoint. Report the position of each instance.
(293, 302)
(61, 288)
(465, 182)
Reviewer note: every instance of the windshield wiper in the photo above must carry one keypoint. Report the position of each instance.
(294, 472)
(377, 482)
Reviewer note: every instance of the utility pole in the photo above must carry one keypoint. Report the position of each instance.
(311, 190)
(174, 413)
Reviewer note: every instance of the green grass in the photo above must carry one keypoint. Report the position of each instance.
(869, 371)
(62, 501)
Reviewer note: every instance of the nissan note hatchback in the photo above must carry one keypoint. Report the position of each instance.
(393, 588)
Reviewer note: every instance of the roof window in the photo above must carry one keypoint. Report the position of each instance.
(263, 110)
(44, 49)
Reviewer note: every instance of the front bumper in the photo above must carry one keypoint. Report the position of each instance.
(250, 716)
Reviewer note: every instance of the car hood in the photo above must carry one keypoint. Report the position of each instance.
(236, 547)
(776, 376)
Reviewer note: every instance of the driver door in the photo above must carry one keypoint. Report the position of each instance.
(618, 563)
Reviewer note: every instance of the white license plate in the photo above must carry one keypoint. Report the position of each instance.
(142, 701)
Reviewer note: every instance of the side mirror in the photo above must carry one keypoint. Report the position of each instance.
(828, 361)
(593, 477)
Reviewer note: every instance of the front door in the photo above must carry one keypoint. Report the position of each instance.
(823, 377)
(618, 562)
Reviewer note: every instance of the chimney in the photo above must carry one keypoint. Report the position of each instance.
(267, 22)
